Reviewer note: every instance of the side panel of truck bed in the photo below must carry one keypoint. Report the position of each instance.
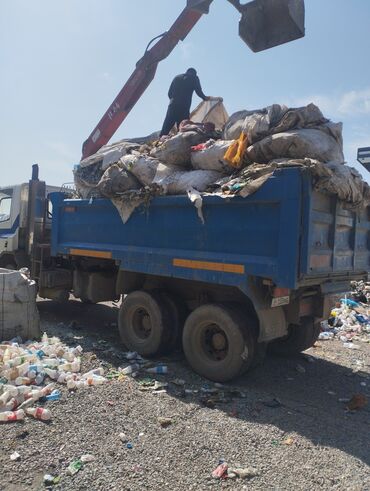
(336, 237)
(258, 235)
(285, 232)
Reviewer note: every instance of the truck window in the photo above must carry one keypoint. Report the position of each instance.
(5, 207)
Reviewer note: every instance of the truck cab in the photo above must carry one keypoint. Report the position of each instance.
(15, 224)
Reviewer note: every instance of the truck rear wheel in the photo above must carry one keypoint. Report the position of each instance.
(144, 323)
(299, 338)
(218, 342)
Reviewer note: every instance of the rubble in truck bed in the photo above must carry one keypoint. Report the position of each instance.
(223, 156)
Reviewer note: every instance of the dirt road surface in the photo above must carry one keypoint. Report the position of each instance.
(285, 422)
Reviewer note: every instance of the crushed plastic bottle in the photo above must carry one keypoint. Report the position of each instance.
(9, 416)
(39, 413)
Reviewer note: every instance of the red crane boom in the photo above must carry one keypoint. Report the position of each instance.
(138, 82)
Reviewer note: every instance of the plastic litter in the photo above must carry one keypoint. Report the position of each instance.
(15, 456)
(39, 413)
(10, 416)
(161, 369)
(221, 471)
(26, 370)
(50, 480)
(74, 467)
(87, 458)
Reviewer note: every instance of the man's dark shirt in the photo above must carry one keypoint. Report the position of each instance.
(182, 88)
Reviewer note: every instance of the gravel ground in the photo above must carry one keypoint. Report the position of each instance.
(308, 441)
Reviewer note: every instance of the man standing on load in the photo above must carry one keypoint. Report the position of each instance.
(180, 94)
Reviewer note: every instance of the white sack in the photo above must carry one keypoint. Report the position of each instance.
(276, 118)
(212, 157)
(212, 111)
(320, 144)
(117, 180)
(345, 182)
(110, 154)
(18, 312)
(234, 125)
(181, 182)
(177, 149)
(146, 169)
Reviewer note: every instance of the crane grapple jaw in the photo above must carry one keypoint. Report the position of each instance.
(268, 23)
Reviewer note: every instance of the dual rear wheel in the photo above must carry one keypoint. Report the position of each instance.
(219, 340)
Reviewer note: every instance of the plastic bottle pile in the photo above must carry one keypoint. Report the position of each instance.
(28, 373)
(350, 319)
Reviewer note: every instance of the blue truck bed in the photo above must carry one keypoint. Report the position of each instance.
(286, 232)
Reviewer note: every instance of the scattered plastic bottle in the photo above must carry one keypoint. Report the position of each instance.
(22, 381)
(39, 413)
(325, 336)
(75, 384)
(130, 369)
(95, 371)
(11, 405)
(53, 374)
(50, 362)
(95, 380)
(158, 369)
(54, 396)
(8, 416)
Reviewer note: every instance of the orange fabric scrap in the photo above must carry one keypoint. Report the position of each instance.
(234, 154)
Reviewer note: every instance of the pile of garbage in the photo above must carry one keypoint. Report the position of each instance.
(349, 320)
(28, 373)
(223, 156)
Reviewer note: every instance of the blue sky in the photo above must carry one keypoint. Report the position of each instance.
(63, 62)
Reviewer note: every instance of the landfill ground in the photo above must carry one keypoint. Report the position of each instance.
(285, 422)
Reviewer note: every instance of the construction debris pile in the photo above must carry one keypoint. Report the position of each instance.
(350, 318)
(28, 373)
(223, 156)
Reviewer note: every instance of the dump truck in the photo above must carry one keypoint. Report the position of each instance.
(260, 273)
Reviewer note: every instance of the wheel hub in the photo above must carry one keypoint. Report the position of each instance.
(142, 324)
(218, 341)
(215, 344)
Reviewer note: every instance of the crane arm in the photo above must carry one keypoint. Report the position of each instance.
(140, 79)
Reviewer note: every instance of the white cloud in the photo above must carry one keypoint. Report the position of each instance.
(186, 50)
(351, 103)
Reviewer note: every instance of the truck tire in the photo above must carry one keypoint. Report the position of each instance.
(299, 338)
(144, 323)
(218, 343)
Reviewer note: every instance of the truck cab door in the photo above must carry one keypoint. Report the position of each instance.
(9, 219)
